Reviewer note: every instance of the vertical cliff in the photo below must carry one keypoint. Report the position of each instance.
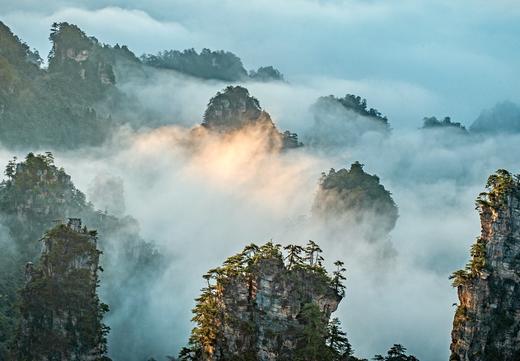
(61, 314)
(487, 321)
(258, 307)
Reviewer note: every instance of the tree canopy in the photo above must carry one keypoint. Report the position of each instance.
(434, 123)
(61, 314)
(356, 195)
(302, 262)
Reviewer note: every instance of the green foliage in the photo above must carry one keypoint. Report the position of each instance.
(474, 267)
(36, 193)
(301, 262)
(13, 50)
(209, 64)
(500, 185)
(338, 278)
(61, 315)
(356, 104)
(312, 339)
(221, 65)
(36, 190)
(356, 194)
(232, 108)
(313, 255)
(58, 106)
(319, 340)
(294, 257)
(396, 353)
(265, 74)
(338, 343)
(290, 140)
(434, 123)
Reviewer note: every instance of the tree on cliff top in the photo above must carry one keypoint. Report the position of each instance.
(499, 185)
(344, 121)
(434, 123)
(208, 64)
(356, 196)
(61, 314)
(396, 353)
(313, 335)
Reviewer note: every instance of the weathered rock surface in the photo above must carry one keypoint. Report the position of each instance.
(265, 310)
(61, 315)
(486, 326)
(255, 312)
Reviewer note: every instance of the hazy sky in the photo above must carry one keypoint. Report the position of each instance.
(452, 57)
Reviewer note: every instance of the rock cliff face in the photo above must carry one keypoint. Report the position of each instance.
(74, 52)
(258, 308)
(267, 307)
(486, 326)
(35, 193)
(61, 315)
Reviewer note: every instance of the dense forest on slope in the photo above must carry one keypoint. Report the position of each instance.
(55, 106)
(208, 64)
(434, 123)
(79, 101)
(75, 102)
(34, 195)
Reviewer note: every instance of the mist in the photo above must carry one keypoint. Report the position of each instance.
(463, 55)
(200, 197)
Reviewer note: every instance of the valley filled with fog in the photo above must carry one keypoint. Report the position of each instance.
(200, 196)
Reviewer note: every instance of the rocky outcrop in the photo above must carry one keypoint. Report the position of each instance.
(258, 307)
(355, 200)
(234, 109)
(486, 326)
(74, 52)
(61, 315)
(344, 122)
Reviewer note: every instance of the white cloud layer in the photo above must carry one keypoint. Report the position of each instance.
(408, 58)
(465, 53)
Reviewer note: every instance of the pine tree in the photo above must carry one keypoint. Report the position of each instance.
(338, 342)
(338, 278)
(10, 169)
(312, 344)
(313, 254)
(294, 257)
(396, 353)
